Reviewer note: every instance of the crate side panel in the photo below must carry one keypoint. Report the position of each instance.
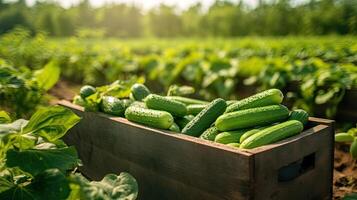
(166, 167)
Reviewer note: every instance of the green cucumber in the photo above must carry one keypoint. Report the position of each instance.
(230, 102)
(343, 137)
(127, 102)
(273, 134)
(237, 145)
(138, 104)
(174, 128)
(210, 133)
(139, 91)
(205, 118)
(112, 105)
(153, 118)
(194, 109)
(182, 121)
(86, 91)
(265, 98)
(186, 100)
(248, 134)
(252, 117)
(158, 102)
(300, 115)
(230, 136)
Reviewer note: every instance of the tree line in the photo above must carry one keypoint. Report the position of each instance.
(222, 19)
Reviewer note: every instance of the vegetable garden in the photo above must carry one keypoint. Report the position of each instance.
(234, 95)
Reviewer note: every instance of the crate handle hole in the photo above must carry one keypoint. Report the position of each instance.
(297, 168)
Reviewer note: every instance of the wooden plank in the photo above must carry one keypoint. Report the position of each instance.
(166, 166)
(315, 183)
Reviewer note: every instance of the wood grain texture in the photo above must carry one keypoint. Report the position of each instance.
(177, 166)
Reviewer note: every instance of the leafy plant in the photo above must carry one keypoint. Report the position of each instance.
(349, 137)
(36, 164)
(23, 90)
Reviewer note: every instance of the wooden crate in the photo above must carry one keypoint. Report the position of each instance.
(176, 166)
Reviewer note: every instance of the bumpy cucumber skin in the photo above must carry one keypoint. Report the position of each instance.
(112, 105)
(149, 117)
(158, 102)
(210, 133)
(230, 102)
(343, 137)
(174, 128)
(186, 100)
(205, 118)
(139, 91)
(183, 121)
(236, 145)
(300, 115)
(127, 102)
(252, 117)
(273, 134)
(194, 109)
(86, 91)
(265, 98)
(230, 136)
(139, 104)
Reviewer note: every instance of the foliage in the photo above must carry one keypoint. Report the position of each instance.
(349, 137)
(222, 18)
(36, 164)
(22, 90)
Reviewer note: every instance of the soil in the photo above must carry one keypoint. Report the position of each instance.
(345, 168)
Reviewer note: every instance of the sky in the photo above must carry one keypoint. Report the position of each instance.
(146, 4)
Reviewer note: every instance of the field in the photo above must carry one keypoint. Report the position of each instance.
(317, 74)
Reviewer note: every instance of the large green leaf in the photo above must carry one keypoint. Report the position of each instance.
(50, 184)
(34, 161)
(51, 123)
(48, 76)
(111, 187)
(4, 117)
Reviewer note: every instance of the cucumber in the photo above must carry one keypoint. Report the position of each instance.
(273, 134)
(252, 117)
(265, 98)
(353, 149)
(112, 105)
(138, 104)
(194, 109)
(182, 121)
(237, 145)
(174, 128)
(153, 118)
(139, 91)
(158, 102)
(210, 133)
(186, 100)
(230, 136)
(205, 118)
(86, 91)
(230, 102)
(343, 137)
(78, 100)
(127, 102)
(300, 115)
(248, 134)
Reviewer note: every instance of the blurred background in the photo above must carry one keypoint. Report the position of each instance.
(186, 18)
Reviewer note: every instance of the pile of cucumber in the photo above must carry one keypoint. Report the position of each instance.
(248, 123)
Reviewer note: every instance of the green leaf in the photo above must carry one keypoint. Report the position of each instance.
(13, 127)
(48, 76)
(4, 117)
(51, 123)
(50, 184)
(34, 161)
(110, 187)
